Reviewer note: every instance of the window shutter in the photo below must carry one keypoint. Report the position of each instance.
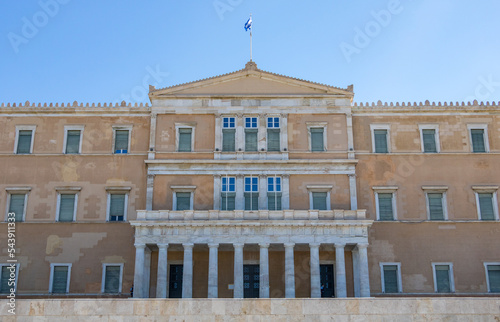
(429, 137)
(486, 206)
(391, 278)
(183, 200)
(185, 140)
(24, 142)
(117, 207)
(478, 140)
(443, 278)
(494, 278)
(228, 201)
(250, 140)
(319, 200)
(17, 206)
(121, 141)
(59, 279)
(66, 207)
(274, 201)
(380, 141)
(273, 140)
(73, 142)
(385, 206)
(435, 206)
(4, 283)
(251, 201)
(228, 137)
(317, 143)
(112, 279)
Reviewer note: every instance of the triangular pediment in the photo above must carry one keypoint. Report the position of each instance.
(250, 81)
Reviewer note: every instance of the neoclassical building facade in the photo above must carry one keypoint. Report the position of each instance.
(251, 184)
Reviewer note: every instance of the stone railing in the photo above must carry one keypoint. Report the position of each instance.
(251, 215)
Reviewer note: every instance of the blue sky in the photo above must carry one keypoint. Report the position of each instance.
(106, 51)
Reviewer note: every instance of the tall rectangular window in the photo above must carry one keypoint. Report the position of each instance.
(228, 193)
(273, 134)
(24, 141)
(8, 271)
(17, 205)
(319, 201)
(121, 141)
(493, 277)
(251, 193)
(435, 201)
(443, 278)
(185, 139)
(67, 207)
(59, 279)
(117, 206)
(317, 139)
(251, 132)
(429, 141)
(478, 140)
(112, 278)
(391, 278)
(228, 134)
(274, 193)
(380, 138)
(73, 141)
(385, 207)
(183, 200)
(486, 205)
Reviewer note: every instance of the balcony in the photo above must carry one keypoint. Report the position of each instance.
(170, 215)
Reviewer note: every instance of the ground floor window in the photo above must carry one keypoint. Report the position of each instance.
(112, 278)
(251, 281)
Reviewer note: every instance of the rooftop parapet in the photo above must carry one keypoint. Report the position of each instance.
(75, 104)
(427, 104)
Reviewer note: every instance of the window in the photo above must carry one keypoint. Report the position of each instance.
(66, 210)
(251, 133)
(443, 277)
(228, 193)
(73, 139)
(385, 203)
(183, 197)
(24, 139)
(479, 138)
(436, 202)
(117, 203)
(487, 203)
(228, 134)
(493, 277)
(274, 193)
(380, 138)
(184, 140)
(429, 138)
(251, 193)
(59, 278)
(391, 277)
(112, 278)
(273, 134)
(319, 197)
(8, 277)
(16, 202)
(317, 142)
(122, 139)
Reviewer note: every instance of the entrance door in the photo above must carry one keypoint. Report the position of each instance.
(327, 286)
(251, 281)
(175, 283)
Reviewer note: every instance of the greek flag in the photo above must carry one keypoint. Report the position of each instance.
(248, 24)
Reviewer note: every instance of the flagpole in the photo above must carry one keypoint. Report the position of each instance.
(250, 39)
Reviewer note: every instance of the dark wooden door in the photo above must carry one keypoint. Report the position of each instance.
(175, 282)
(327, 283)
(251, 281)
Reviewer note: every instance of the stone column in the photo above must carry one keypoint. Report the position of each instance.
(240, 134)
(147, 271)
(161, 280)
(350, 137)
(240, 189)
(355, 271)
(217, 191)
(364, 278)
(213, 270)
(218, 136)
(187, 275)
(264, 271)
(285, 194)
(262, 133)
(139, 271)
(238, 271)
(262, 192)
(149, 191)
(284, 133)
(315, 277)
(289, 271)
(152, 137)
(340, 280)
(352, 191)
